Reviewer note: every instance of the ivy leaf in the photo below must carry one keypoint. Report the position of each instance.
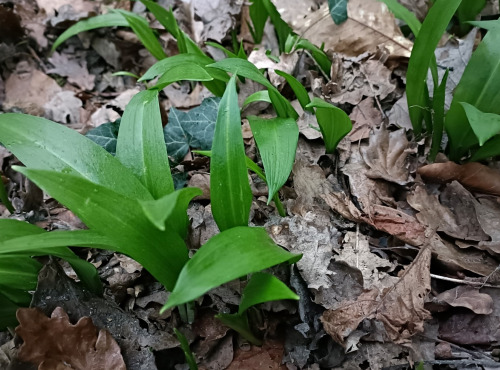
(194, 128)
(106, 135)
(338, 10)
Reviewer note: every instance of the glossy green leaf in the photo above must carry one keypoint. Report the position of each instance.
(468, 11)
(333, 122)
(401, 12)
(338, 10)
(4, 198)
(240, 324)
(188, 71)
(10, 229)
(478, 87)
(7, 312)
(277, 142)
(259, 16)
(294, 42)
(140, 145)
(490, 149)
(262, 288)
(484, 125)
(105, 135)
(190, 360)
(141, 28)
(298, 89)
(120, 220)
(230, 193)
(43, 144)
(164, 65)
(227, 256)
(228, 52)
(422, 54)
(262, 95)
(438, 101)
(171, 210)
(105, 20)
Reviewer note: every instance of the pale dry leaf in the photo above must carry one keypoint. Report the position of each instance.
(54, 341)
(388, 156)
(474, 176)
(364, 118)
(201, 181)
(488, 215)
(468, 297)
(218, 17)
(306, 122)
(287, 63)
(64, 107)
(399, 115)
(370, 27)
(73, 68)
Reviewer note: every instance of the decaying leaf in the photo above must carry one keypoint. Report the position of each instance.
(387, 155)
(468, 297)
(76, 70)
(364, 118)
(474, 176)
(53, 342)
(400, 308)
(370, 26)
(266, 357)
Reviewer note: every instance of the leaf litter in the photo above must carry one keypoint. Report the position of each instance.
(398, 265)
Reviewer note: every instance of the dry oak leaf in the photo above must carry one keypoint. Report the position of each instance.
(54, 343)
(474, 176)
(400, 308)
(468, 297)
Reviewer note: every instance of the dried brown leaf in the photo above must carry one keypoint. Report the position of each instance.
(364, 118)
(52, 342)
(468, 297)
(474, 176)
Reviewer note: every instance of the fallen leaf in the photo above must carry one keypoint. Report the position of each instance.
(268, 357)
(474, 176)
(387, 155)
(488, 216)
(75, 69)
(218, 17)
(468, 297)
(53, 343)
(64, 107)
(370, 26)
(364, 118)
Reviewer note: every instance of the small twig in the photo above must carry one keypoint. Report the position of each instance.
(471, 283)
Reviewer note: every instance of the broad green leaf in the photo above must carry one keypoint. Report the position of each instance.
(19, 273)
(190, 360)
(262, 95)
(227, 256)
(277, 142)
(164, 65)
(241, 325)
(187, 71)
(230, 193)
(478, 87)
(4, 198)
(141, 28)
(262, 288)
(228, 53)
(105, 135)
(281, 27)
(281, 105)
(422, 54)
(7, 312)
(258, 15)
(484, 125)
(10, 229)
(194, 128)
(333, 122)
(171, 210)
(401, 12)
(298, 89)
(467, 11)
(99, 21)
(46, 145)
(438, 101)
(338, 10)
(120, 220)
(490, 149)
(141, 146)
(294, 42)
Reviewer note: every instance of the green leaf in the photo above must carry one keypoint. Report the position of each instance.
(262, 288)
(228, 53)
(241, 325)
(401, 12)
(171, 210)
(43, 144)
(422, 54)
(194, 128)
(187, 351)
(140, 145)
(467, 11)
(262, 95)
(277, 142)
(230, 193)
(478, 87)
(484, 125)
(7, 312)
(125, 73)
(105, 135)
(10, 229)
(187, 71)
(438, 101)
(490, 149)
(119, 219)
(164, 65)
(318, 55)
(281, 27)
(227, 256)
(298, 89)
(333, 122)
(258, 15)
(141, 28)
(99, 21)
(338, 10)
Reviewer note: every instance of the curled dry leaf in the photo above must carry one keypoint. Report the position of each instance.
(364, 118)
(370, 26)
(468, 297)
(400, 308)
(474, 176)
(51, 343)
